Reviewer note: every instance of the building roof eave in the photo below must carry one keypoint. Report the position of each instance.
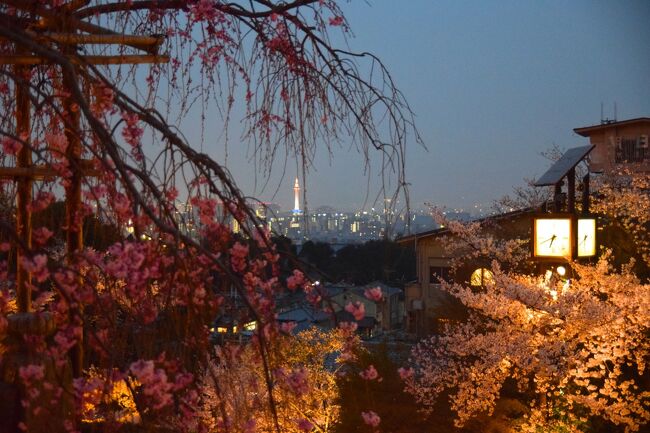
(586, 131)
(443, 230)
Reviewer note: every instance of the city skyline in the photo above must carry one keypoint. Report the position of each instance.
(467, 69)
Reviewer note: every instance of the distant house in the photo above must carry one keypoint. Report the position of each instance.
(306, 316)
(619, 144)
(427, 305)
(381, 317)
(391, 309)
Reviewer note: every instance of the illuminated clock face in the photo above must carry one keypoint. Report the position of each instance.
(586, 237)
(552, 237)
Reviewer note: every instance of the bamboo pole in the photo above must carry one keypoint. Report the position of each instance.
(145, 43)
(74, 221)
(24, 197)
(74, 39)
(52, 19)
(131, 59)
(44, 172)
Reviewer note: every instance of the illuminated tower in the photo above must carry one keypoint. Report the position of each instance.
(296, 197)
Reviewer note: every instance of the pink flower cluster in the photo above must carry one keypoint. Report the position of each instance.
(11, 146)
(297, 380)
(313, 294)
(41, 235)
(104, 97)
(238, 254)
(37, 266)
(305, 425)
(203, 10)
(31, 374)
(154, 383)
(296, 280)
(206, 208)
(336, 21)
(57, 144)
(369, 373)
(374, 294)
(405, 373)
(132, 133)
(371, 418)
(357, 309)
(42, 200)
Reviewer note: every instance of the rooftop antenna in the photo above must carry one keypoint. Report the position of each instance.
(602, 118)
(615, 111)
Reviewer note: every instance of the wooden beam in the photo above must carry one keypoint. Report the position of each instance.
(44, 172)
(75, 39)
(52, 19)
(80, 60)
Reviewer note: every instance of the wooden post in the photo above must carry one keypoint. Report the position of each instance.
(24, 198)
(557, 197)
(73, 221)
(73, 218)
(571, 193)
(585, 194)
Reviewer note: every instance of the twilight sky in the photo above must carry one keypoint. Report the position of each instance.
(492, 84)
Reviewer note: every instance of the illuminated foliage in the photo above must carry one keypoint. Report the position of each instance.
(576, 345)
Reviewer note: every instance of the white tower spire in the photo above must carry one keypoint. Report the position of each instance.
(296, 197)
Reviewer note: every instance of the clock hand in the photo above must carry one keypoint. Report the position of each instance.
(552, 239)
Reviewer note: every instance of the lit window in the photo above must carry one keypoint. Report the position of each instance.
(250, 326)
(481, 277)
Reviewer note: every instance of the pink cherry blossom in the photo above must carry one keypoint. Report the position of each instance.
(238, 254)
(374, 294)
(405, 373)
(132, 134)
(357, 309)
(296, 280)
(336, 21)
(154, 383)
(31, 373)
(37, 266)
(297, 380)
(305, 425)
(57, 143)
(369, 373)
(371, 418)
(41, 235)
(11, 146)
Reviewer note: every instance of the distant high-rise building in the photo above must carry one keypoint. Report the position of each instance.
(296, 197)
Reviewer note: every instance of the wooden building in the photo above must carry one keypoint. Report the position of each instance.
(427, 305)
(619, 144)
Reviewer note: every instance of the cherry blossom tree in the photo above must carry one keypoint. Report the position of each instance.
(577, 347)
(623, 198)
(304, 370)
(81, 119)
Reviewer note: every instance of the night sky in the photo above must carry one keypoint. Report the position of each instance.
(493, 84)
